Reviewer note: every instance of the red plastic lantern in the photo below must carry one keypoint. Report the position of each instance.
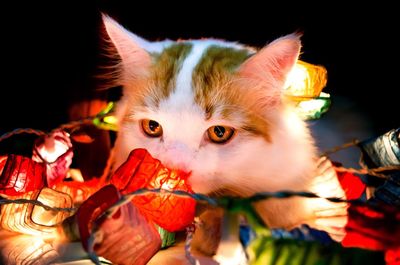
(55, 150)
(33, 219)
(125, 237)
(140, 238)
(3, 160)
(25, 249)
(92, 208)
(169, 211)
(20, 174)
(351, 184)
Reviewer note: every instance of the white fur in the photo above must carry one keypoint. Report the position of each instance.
(182, 97)
(183, 94)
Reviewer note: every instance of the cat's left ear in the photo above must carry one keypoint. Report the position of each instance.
(272, 63)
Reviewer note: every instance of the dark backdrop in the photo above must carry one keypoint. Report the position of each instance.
(50, 50)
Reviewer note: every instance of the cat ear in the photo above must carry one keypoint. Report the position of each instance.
(135, 59)
(273, 61)
(265, 72)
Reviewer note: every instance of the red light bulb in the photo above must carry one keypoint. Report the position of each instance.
(169, 211)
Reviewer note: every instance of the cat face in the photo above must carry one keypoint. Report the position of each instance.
(214, 109)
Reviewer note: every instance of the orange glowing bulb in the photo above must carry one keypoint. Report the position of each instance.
(305, 81)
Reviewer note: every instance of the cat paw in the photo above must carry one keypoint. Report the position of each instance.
(330, 217)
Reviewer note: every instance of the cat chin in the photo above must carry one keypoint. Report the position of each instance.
(201, 189)
(202, 185)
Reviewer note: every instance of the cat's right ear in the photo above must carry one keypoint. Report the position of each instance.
(267, 70)
(135, 59)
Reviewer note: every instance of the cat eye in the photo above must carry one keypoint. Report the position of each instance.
(151, 128)
(220, 134)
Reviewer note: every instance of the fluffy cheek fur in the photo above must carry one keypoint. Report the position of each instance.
(249, 164)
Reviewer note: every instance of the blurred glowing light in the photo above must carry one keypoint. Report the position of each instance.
(31, 219)
(105, 119)
(304, 86)
(55, 150)
(25, 249)
(314, 108)
(110, 120)
(305, 80)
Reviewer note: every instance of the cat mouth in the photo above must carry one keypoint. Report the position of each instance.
(222, 192)
(217, 193)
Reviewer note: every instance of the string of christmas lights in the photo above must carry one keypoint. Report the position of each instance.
(225, 202)
(103, 120)
(21, 131)
(130, 187)
(228, 203)
(364, 170)
(4, 201)
(369, 171)
(335, 149)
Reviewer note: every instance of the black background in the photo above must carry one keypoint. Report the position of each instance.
(50, 51)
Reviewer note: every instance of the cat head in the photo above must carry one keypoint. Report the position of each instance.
(213, 108)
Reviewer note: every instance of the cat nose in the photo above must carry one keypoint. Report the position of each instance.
(178, 155)
(178, 146)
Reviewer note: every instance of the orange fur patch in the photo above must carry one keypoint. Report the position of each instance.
(216, 88)
(165, 69)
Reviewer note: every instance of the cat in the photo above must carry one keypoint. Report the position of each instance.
(216, 109)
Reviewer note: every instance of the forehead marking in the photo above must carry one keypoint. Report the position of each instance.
(212, 74)
(165, 68)
(184, 85)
